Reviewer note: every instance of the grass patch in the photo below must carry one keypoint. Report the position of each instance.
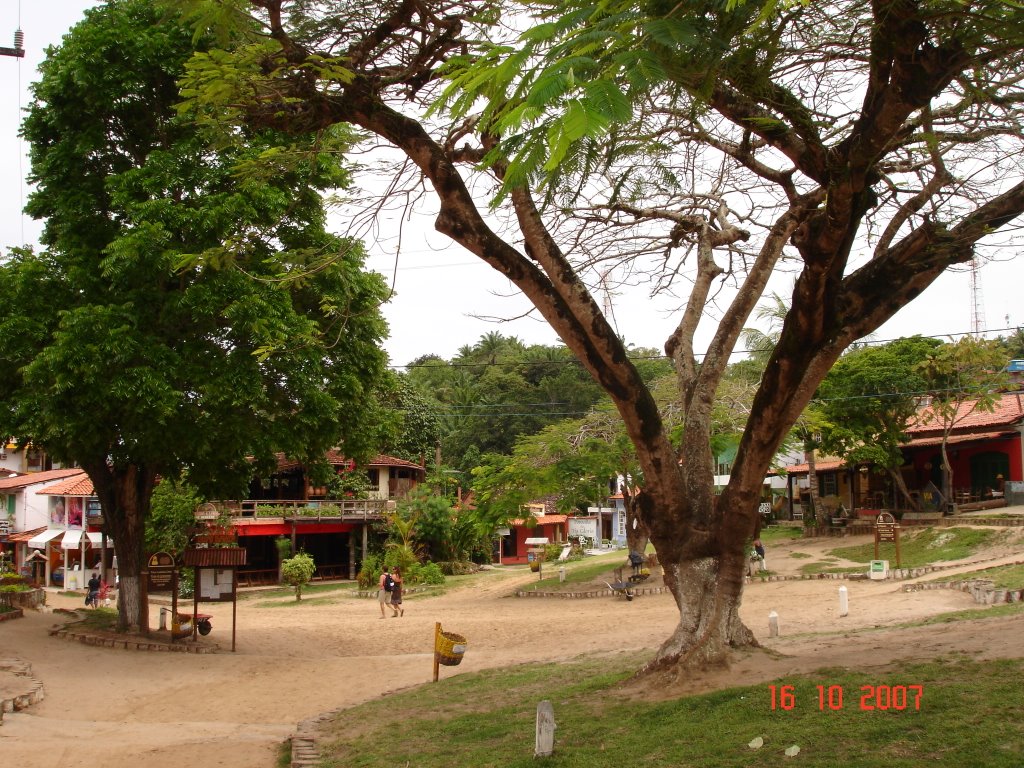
(919, 548)
(967, 714)
(826, 567)
(580, 571)
(1004, 576)
(781, 533)
(981, 612)
(284, 754)
(103, 619)
(800, 555)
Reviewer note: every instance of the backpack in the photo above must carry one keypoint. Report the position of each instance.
(389, 583)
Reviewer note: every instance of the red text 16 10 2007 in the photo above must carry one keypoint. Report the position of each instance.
(869, 698)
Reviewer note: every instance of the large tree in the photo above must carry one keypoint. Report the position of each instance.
(871, 146)
(868, 400)
(127, 353)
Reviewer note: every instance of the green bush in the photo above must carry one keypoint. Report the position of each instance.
(369, 571)
(429, 573)
(298, 571)
(457, 567)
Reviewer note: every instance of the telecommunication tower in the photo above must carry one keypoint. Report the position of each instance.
(978, 324)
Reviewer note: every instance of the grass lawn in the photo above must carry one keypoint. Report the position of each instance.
(954, 712)
(1004, 576)
(924, 547)
(579, 571)
(779, 533)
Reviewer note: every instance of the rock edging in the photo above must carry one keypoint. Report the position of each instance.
(131, 644)
(984, 591)
(895, 574)
(17, 613)
(34, 688)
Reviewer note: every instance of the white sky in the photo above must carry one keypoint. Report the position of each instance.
(439, 286)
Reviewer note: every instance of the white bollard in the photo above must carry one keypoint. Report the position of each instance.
(773, 624)
(844, 602)
(561, 573)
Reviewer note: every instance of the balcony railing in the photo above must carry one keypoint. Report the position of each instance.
(321, 509)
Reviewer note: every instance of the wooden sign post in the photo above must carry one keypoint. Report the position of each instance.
(887, 529)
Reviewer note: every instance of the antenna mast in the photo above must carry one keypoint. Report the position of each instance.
(978, 324)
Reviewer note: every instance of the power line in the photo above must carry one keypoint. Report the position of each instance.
(442, 363)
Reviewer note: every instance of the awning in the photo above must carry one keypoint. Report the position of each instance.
(40, 541)
(72, 540)
(96, 539)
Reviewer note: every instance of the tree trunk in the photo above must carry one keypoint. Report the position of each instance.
(708, 592)
(812, 483)
(125, 494)
(636, 531)
(901, 486)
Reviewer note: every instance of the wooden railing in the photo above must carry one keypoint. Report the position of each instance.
(325, 509)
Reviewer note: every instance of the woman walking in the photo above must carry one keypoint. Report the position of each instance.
(396, 592)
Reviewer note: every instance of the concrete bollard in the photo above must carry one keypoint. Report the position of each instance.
(844, 602)
(773, 624)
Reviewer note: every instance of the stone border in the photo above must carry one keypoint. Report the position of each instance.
(983, 591)
(62, 632)
(895, 574)
(593, 593)
(35, 693)
(17, 613)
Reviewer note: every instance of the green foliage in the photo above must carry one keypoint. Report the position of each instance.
(869, 398)
(923, 547)
(172, 516)
(370, 570)
(185, 313)
(298, 571)
(426, 573)
(283, 545)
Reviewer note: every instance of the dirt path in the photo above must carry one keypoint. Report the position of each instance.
(124, 709)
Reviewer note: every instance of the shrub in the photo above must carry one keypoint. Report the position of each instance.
(457, 567)
(298, 571)
(369, 570)
(430, 573)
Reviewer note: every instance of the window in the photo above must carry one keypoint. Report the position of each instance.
(829, 486)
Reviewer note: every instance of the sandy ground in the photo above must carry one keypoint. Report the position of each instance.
(122, 709)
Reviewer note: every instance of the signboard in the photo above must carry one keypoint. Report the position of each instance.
(5, 527)
(160, 572)
(583, 528)
(886, 529)
(216, 584)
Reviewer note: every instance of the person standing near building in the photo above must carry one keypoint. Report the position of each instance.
(384, 586)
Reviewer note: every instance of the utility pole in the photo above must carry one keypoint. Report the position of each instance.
(18, 50)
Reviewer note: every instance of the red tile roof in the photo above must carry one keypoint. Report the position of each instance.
(919, 442)
(829, 465)
(26, 535)
(543, 520)
(32, 478)
(1007, 411)
(77, 485)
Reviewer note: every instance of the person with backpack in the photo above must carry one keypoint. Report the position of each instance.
(384, 587)
(396, 593)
